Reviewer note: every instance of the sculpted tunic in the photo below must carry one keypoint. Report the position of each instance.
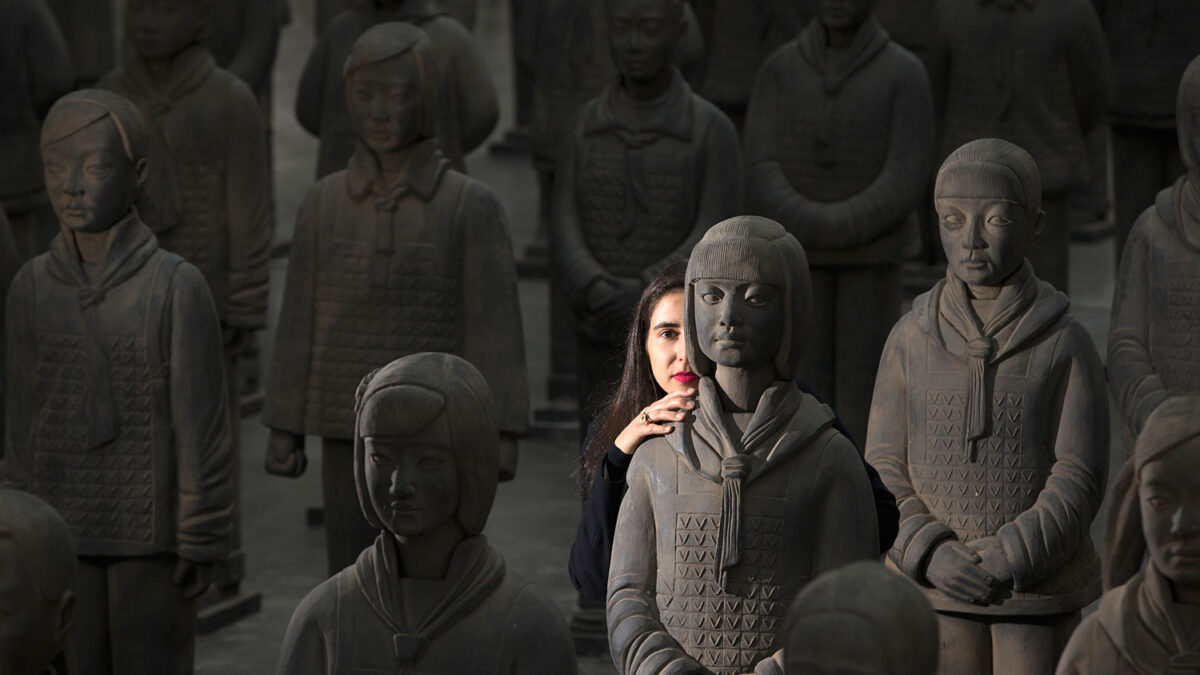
(1151, 42)
(116, 403)
(479, 619)
(743, 35)
(803, 507)
(468, 107)
(209, 190)
(1035, 474)
(1154, 341)
(840, 156)
(380, 271)
(640, 183)
(1138, 629)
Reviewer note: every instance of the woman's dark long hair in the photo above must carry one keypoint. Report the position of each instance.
(637, 388)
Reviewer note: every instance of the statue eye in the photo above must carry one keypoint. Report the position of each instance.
(379, 459)
(431, 463)
(711, 297)
(953, 220)
(1158, 502)
(999, 221)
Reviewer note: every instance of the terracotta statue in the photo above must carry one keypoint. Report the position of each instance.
(1033, 73)
(990, 425)
(87, 26)
(649, 166)
(35, 69)
(1152, 347)
(1151, 623)
(37, 586)
(839, 145)
(10, 262)
(1150, 42)
(908, 22)
(244, 39)
(430, 595)
(462, 10)
(753, 494)
(862, 618)
(741, 37)
(467, 104)
(396, 254)
(116, 403)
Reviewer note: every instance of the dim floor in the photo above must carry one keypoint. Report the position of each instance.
(534, 518)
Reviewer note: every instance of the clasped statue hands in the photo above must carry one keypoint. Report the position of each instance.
(976, 572)
(285, 454)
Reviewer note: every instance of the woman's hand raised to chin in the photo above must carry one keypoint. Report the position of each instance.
(656, 419)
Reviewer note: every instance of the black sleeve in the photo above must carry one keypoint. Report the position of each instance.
(885, 502)
(590, 554)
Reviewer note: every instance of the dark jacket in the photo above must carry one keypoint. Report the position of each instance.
(592, 550)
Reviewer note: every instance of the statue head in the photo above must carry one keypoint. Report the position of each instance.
(988, 197)
(37, 583)
(843, 14)
(862, 619)
(1166, 460)
(391, 86)
(1187, 111)
(644, 35)
(426, 445)
(160, 29)
(94, 151)
(747, 299)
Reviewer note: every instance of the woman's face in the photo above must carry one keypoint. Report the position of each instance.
(665, 345)
(1169, 489)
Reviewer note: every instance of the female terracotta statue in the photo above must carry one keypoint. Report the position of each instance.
(754, 493)
(862, 618)
(839, 143)
(37, 587)
(430, 595)
(990, 425)
(116, 402)
(467, 103)
(1151, 623)
(1032, 73)
(396, 254)
(647, 168)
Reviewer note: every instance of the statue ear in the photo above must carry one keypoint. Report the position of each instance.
(141, 169)
(1039, 224)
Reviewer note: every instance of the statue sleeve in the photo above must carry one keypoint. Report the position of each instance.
(544, 643)
(887, 450)
(249, 211)
(493, 334)
(200, 417)
(574, 266)
(1088, 63)
(260, 38)
(291, 357)
(310, 93)
(303, 651)
(53, 75)
(479, 106)
(1088, 640)
(848, 529)
(20, 354)
(1043, 538)
(638, 641)
(1135, 383)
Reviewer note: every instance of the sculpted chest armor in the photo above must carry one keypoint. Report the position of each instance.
(1175, 315)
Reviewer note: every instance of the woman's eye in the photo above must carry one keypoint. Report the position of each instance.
(669, 334)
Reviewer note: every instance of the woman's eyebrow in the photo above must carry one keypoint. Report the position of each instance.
(665, 324)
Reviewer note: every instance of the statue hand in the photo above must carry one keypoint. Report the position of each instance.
(285, 454)
(954, 569)
(993, 561)
(193, 577)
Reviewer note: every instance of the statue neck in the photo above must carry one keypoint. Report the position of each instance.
(427, 555)
(840, 38)
(742, 387)
(159, 70)
(393, 163)
(93, 251)
(649, 89)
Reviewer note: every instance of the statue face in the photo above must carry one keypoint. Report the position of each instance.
(386, 104)
(643, 36)
(665, 345)
(160, 29)
(412, 481)
(843, 14)
(29, 625)
(985, 239)
(1169, 490)
(739, 324)
(90, 181)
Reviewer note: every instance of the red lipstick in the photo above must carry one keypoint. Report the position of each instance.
(685, 377)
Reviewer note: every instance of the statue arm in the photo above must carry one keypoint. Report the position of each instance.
(310, 92)
(493, 333)
(20, 354)
(305, 645)
(719, 191)
(51, 73)
(574, 266)
(638, 641)
(543, 642)
(479, 105)
(848, 505)
(1088, 64)
(1135, 383)
(200, 420)
(260, 39)
(887, 450)
(1040, 540)
(287, 377)
(249, 212)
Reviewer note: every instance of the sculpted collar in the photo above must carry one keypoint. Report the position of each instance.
(423, 171)
(190, 69)
(814, 48)
(1144, 625)
(671, 115)
(131, 246)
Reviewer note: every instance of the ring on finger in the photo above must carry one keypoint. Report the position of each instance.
(646, 417)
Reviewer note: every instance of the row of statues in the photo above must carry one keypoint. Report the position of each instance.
(988, 418)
